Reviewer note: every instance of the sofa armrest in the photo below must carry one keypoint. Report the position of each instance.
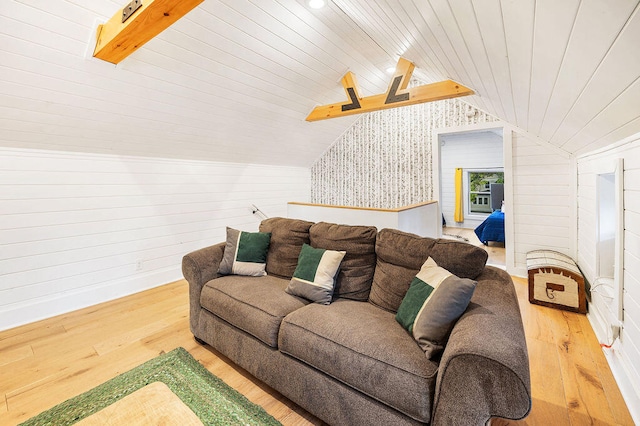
(484, 370)
(198, 268)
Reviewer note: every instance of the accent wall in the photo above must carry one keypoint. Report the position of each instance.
(384, 159)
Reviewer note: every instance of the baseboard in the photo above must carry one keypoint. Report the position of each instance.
(619, 364)
(47, 307)
(518, 271)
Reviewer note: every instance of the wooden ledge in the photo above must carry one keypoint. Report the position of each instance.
(399, 209)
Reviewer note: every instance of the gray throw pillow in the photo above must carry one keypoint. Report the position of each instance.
(434, 302)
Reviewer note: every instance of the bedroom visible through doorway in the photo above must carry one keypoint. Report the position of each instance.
(473, 201)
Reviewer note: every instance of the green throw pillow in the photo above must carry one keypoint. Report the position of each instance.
(245, 253)
(433, 304)
(315, 276)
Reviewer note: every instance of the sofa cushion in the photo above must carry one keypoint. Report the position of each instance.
(287, 238)
(315, 275)
(356, 270)
(364, 347)
(461, 259)
(245, 253)
(399, 258)
(255, 305)
(433, 304)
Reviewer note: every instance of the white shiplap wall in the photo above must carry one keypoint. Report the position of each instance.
(543, 199)
(624, 355)
(566, 71)
(79, 229)
(476, 150)
(233, 70)
(231, 81)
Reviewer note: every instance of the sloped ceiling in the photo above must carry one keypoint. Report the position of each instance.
(235, 79)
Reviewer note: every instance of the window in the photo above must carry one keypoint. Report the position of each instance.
(479, 184)
(609, 240)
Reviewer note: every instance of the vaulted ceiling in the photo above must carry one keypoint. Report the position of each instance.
(234, 79)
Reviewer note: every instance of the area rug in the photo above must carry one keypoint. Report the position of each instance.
(211, 400)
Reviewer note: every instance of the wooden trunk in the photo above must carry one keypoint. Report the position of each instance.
(555, 281)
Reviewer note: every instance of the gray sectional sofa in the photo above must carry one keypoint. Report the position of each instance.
(350, 362)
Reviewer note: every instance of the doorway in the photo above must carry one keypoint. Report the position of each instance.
(483, 153)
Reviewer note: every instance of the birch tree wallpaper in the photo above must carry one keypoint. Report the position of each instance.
(385, 159)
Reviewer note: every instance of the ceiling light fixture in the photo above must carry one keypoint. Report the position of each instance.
(316, 4)
(391, 70)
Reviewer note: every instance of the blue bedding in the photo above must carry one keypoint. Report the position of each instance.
(492, 229)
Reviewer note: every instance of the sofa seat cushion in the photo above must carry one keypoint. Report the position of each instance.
(364, 347)
(255, 305)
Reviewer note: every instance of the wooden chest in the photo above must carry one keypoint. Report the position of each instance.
(555, 281)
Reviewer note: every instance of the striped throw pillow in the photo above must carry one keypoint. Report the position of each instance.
(434, 302)
(315, 276)
(245, 253)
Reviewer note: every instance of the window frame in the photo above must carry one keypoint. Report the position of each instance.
(467, 192)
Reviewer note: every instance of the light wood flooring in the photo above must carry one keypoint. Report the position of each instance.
(45, 363)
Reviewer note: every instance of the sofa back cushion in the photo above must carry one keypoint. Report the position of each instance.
(356, 270)
(287, 238)
(461, 259)
(400, 256)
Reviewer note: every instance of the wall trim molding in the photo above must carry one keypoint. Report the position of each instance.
(618, 362)
(46, 307)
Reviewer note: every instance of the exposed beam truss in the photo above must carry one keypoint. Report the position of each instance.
(116, 39)
(397, 94)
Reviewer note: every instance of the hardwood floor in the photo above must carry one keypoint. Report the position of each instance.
(571, 383)
(45, 363)
(48, 362)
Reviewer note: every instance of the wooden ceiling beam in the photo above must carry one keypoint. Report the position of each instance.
(397, 94)
(116, 39)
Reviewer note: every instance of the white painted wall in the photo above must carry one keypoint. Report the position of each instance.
(79, 229)
(623, 357)
(474, 150)
(543, 200)
(422, 220)
(230, 70)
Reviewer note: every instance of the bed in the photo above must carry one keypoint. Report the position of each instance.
(492, 229)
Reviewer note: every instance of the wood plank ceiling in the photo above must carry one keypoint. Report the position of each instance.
(234, 79)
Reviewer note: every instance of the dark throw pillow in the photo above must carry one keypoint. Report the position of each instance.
(315, 276)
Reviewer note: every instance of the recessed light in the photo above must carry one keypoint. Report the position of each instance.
(316, 4)
(391, 70)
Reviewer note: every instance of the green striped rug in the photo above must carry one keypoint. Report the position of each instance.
(212, 400)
